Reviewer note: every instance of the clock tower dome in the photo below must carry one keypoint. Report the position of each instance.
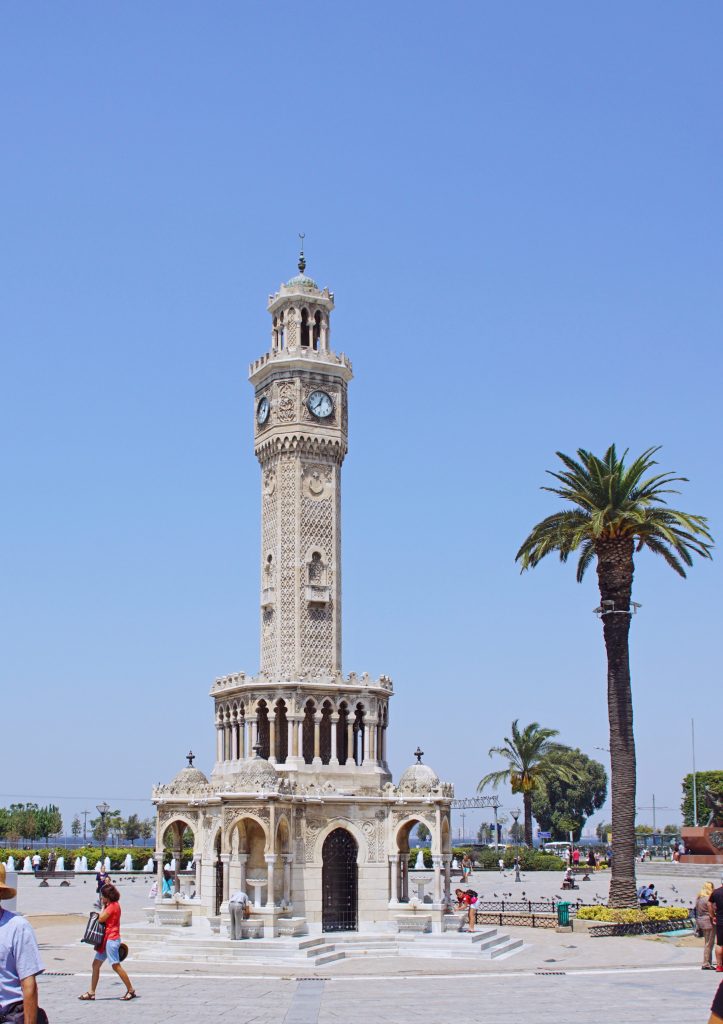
(300, 440)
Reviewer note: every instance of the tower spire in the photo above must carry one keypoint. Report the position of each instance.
(302, 259)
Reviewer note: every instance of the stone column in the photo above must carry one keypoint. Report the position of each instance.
(290, 752)
(447, 879)
(350, 740)
(177, 860)
(394, 875)
(334, 760)
(234, 741)
(272, 738)
(159, 873)
(242, 859)
(317, 738)
(219, 742)
(254, 734)
(405, 877)
(197, 865)
(242, 738)
(371, 753)
(225, 858)
(437, 864)
(384, 744)
(288, 860)
(270, 859)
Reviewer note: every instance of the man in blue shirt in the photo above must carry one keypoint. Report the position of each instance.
(19, 965)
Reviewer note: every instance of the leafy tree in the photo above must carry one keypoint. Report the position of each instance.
(517, 832)
(23, 820)
(48, 821)
(132, 828)
(528, 766)
(99, 829)
(115, 825)
(75, 827)
(616, 511)
(602, 831)
(423, 833)
(4, 821)
(643, 830)
(671, 830)
(562, 807)
(714, 782)
(147, 829)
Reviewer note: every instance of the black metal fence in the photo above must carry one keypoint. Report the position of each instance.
(524, 907)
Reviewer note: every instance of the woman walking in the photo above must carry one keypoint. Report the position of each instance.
(702, 919)
(109, 949)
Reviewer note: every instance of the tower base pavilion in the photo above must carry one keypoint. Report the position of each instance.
(300, 810)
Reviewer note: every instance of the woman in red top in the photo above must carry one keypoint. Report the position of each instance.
(109, 949)
(469, 900)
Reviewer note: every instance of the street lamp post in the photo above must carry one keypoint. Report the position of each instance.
(102, 809)
(516, 814)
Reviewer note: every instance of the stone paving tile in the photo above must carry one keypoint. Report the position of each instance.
(665, 996)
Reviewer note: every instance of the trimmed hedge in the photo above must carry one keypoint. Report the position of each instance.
(613, 915)
(117, 854)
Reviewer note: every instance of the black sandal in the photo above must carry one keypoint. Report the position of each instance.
(129, 995)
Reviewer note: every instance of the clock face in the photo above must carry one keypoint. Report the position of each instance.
(262, 411)
(320, 404)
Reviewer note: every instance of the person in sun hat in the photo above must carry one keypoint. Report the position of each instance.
(20, 965)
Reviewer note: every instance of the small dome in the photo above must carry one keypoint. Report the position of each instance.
(418, 778)
(188, 777)
(303, 282)
(254, 775)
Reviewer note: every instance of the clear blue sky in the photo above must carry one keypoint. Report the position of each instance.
(519, 210)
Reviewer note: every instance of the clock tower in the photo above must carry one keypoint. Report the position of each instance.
(300, 440)
(300, 803)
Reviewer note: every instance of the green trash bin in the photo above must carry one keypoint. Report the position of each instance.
(563, 914)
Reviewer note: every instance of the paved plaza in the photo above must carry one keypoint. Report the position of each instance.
(556, 977)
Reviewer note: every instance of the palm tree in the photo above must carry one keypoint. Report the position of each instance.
(617, 510)
(530, 764)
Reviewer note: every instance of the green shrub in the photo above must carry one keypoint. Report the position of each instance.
(613, 915)
(530, 860)
(117, 854)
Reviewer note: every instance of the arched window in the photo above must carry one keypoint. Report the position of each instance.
(304, 328)
(359, 731)
(307, 732)
(275, 333)
(316, 568)
(317, 330)
(325, 733)
(263, 726)
(282, 733)
(282, 330)
(341, 733)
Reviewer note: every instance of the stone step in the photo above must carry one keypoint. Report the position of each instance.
(509, 947)
(329, 958)
(491, 941)
(322, 950)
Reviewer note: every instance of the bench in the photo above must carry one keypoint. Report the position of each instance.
(62, 875)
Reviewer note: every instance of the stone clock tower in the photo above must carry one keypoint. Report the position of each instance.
(300, 434)
(300, 805)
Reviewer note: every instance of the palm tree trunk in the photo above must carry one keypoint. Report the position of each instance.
(527, 805)
(615, 577)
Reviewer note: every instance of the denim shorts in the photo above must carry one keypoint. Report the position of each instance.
(111, 952)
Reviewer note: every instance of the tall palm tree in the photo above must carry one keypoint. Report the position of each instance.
(530, 764)
(616, 511)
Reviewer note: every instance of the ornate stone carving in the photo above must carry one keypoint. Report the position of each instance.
(313, 828)
(369, 828)
(286, 403)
